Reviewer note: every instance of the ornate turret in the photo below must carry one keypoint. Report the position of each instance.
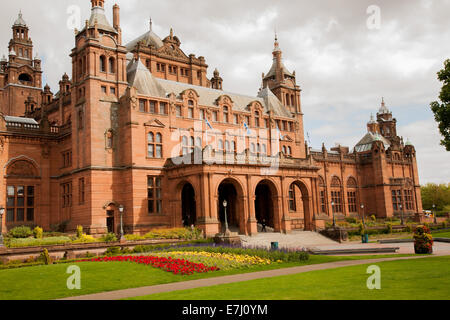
(216, 81)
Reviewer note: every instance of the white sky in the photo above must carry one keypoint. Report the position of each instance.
(342, 66)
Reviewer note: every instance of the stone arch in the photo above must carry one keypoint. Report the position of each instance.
(351, 182)
(231, 190)
(22, 166)
(305, 201)
(187, 204)
(267, 203)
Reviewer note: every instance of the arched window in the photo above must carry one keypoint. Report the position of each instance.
(102, 64)
(220, 145)
(284, 150)
(24, 77)
(289, 151)
(112, 65)
(198, 142)
(252, 148)
(227, 146)
(233, 146)
(288, 103)
(264, 149)
(191, 109)
(159, 150)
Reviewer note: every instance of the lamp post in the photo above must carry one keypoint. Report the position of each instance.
(401, 212)
(225, 204)
(2, 211)
(434, 214)
(363, 221)
(334, 218)
(121, 209)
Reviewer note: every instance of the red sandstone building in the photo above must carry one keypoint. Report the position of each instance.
(141, 125)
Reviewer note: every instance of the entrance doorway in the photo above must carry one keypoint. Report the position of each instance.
(264, 209)
(110, 221)
(228, 192)
(188, 205)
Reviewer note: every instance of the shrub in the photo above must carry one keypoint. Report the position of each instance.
(38, 232)
(110, 237)
(45, 257)
(444, 224)
(351, 220)
(84, 238)
(423, 240)
(20, 232)
(31, 242)
(89, 255)
(134, 237)
(389, 228)
(112, 251)
(79, 231)
(373, 217)
(362, 230)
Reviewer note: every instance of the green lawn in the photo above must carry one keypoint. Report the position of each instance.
(49, 282)
(445, 234)
(427, 278)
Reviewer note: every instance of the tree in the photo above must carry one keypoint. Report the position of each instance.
(439, 195)
(442, 111)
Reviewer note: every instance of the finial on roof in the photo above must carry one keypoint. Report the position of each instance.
(382, 102)
(171, 32)
(151, 24)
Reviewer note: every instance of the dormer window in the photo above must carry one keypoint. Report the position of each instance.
(225, 114)
(257, 122)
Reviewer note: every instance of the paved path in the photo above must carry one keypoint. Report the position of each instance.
(138, 292)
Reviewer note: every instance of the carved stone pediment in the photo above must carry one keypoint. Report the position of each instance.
(154, 123)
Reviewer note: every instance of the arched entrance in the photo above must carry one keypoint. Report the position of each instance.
(188, 205)
(299, 203)
(229, 192)
(264, 204)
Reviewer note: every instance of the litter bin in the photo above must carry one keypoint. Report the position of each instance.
(274, 245)
(365, 238)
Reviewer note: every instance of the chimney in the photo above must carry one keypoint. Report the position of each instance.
(116, 17)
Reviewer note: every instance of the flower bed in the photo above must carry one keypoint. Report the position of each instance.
(176, 266)
(225, 261)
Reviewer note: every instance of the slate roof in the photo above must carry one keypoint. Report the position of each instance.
(149, 38)
(365, 144)
(141, 78)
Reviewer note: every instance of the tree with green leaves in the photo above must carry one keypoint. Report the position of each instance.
(439, 195)
(442, 110)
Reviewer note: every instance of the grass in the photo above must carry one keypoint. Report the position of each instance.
(421, 279)
(445, 234)
(49, 282)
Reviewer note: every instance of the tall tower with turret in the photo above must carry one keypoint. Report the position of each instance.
(20, 74)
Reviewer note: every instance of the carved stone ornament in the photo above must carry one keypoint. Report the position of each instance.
(21, 168)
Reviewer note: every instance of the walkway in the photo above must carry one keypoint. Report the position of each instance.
(138, 292)
(295, 239)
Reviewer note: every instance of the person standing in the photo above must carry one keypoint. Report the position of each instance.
(264, 226)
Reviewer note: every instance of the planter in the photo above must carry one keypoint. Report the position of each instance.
(423, 250)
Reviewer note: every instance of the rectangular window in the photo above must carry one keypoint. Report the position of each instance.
(352, 201)
(112, 90)
(67, 159)
(397, 200)
(20, 203)
(162, 108)
(142, 105)
(292, 204)
(215, 116)
(81, 187)
(178, 111)
(236, 119)
(154, 195)
(152, 108)
(191, 113)
(336, 198)
(322, 201)
(104, 89)
(408, 200)
(66, 195)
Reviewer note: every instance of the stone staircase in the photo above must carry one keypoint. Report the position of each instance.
(293, 240)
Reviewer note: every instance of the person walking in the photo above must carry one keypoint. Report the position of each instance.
(264, 226)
